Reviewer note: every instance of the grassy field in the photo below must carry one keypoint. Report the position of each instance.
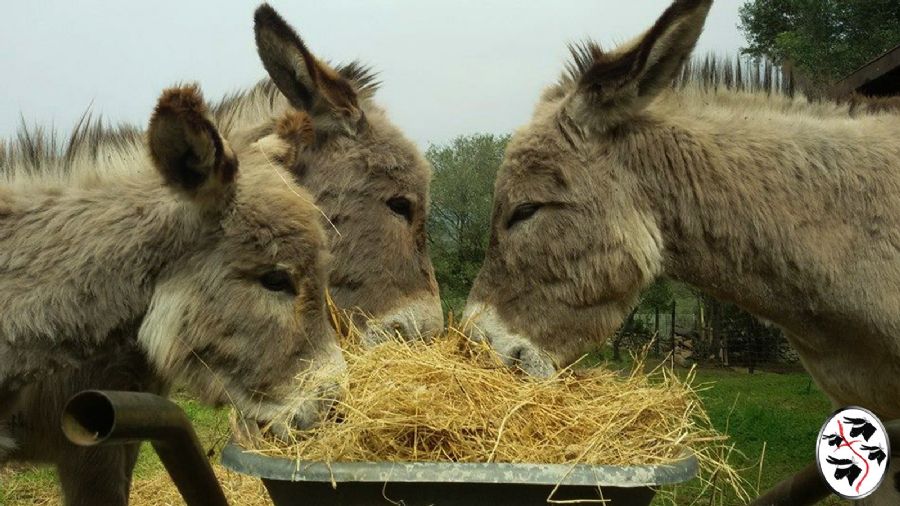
(770, 417)
(781, 412)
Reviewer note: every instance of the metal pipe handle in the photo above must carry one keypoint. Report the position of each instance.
(95, 417)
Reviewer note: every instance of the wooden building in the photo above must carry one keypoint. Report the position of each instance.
(878, 78)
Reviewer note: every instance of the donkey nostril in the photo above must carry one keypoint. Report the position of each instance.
(407, 330)
(329, 407)
(394, 330)
(530, 361)
(518, 357)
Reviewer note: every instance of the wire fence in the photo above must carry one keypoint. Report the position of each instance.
(708, 333)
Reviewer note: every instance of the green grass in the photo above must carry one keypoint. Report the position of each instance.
(781, 413)
(784, 411)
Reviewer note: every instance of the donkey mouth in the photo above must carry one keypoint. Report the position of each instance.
(249, 430)
(416, 320)
(519, 353)
(513, 350)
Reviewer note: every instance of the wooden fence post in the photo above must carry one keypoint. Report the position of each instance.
(656, 331)
(672, 334)
(751, 350)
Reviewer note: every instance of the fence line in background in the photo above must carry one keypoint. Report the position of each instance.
(706, 333)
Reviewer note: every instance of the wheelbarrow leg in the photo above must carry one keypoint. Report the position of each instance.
(808, 487)
(803, 488)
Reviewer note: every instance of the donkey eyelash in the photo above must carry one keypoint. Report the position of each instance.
(278, 280)
(523, 212)
(401, 206)
(527, 210)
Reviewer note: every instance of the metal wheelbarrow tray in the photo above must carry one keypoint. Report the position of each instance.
(290, 482)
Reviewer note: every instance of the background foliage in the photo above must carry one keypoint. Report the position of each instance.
(458, 226)
(823, 39)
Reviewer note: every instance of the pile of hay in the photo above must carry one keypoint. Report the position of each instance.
(451, 400)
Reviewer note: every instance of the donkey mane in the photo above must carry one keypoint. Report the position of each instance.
(39, 152)
(737, 82)
(582, 54)
(364, 77)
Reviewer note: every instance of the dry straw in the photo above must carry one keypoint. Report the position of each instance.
(155, 490)
(451, 400)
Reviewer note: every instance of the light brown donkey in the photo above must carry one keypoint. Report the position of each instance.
(370, 181)
(220, 270)
(619, 178)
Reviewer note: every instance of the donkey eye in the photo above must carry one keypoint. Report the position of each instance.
(522, 213)
(401, 206)
(278, 281)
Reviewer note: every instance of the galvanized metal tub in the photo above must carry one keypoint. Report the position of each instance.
(291, 482)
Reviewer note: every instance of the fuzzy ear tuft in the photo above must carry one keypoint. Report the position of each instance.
(185, 146)
(292, 135)
(308, 84)
(295, 130)
(296, 127)
(612, 86)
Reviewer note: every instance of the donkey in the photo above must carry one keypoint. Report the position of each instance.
(370, 182)
(619, 178)
(217, 275)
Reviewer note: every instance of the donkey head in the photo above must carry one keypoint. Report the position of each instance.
(572, 241)
(241, 315)
(368, 179)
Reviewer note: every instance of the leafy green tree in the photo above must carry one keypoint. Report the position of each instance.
(657, 296)
(823, 39)
(461, 194)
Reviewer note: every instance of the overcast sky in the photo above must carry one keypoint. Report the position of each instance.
(448, 68)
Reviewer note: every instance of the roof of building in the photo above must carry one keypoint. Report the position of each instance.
(879, 77)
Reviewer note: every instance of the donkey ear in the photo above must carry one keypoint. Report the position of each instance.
(185, 146)
(308, 84)
(612, 86)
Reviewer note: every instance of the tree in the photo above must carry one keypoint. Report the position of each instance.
(460, 220)
(824, 40)
(657, 296)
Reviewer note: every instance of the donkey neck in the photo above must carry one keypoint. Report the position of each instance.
(78, 262)
(769, 212)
